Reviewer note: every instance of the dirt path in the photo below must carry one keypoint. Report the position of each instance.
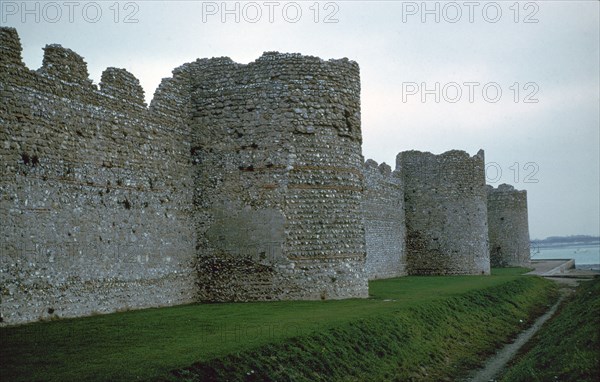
(496, 364)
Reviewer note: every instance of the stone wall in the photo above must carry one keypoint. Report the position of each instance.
(277, 148)
(96, 190)
(508, 226)
(238, 182)
(383, 210)
(446, 212)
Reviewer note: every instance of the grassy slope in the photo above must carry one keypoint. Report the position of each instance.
(567, 348)
(426, 312)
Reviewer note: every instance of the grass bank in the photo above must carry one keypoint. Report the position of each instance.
(567, 348)
(411, 328)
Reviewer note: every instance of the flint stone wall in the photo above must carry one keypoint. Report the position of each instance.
(95, 191)
(508, 226)
(445, 203)
(238, 182)
(277, 151)
(383, 210)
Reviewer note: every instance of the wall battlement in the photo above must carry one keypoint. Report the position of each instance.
(10, 47)
(95, 191)
(508, 226)
(122, 85)
(64, 64)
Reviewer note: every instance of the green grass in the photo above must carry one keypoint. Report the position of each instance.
(417, 320)
(567, 348)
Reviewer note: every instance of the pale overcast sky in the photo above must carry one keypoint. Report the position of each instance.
(541, 133)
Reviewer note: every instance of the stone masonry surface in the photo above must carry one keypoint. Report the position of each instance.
(445, 203)
(278, 167)
(508, 226)
(96, 191)
(383, 209)
(237, 183)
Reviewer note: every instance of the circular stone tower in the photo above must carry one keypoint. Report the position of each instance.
(508, 226)
(446, 212)
(277, 145)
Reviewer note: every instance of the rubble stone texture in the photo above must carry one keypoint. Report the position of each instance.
(238, 182)
(445, 202)
(508, 226)
(383, 209)
(96, 191)
(278, 167)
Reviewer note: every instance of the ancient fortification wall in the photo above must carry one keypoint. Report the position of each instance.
(95, 191)
(508, 226)
(239, 182)
(383, 210)
(277, 148)
(446, 212)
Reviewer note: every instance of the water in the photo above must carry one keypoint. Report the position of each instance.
(587, 256)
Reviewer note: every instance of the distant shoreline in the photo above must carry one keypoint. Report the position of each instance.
(562, 245)
(564, 241)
